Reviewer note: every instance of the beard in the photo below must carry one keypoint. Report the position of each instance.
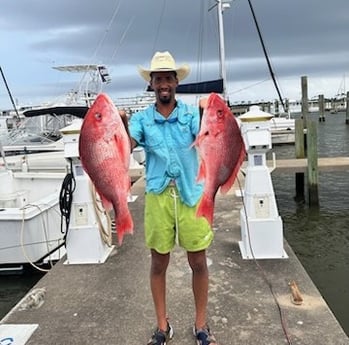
(164, 100)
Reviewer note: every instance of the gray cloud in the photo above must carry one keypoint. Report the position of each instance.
(301, 37)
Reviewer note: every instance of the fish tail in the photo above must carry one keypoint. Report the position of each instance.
(123, 224)
(205, 208)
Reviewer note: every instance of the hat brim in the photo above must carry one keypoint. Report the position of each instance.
(182, 72)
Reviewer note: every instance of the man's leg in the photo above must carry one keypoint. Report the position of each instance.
(198, 264)
(159, 264)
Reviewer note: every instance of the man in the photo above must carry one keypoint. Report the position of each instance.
(166, 130)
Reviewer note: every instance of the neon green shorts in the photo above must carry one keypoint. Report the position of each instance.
(168, 219)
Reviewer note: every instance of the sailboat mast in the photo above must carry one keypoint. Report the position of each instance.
(221, 6)
(9, 92)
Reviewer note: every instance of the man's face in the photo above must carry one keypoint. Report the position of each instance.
(164, 85)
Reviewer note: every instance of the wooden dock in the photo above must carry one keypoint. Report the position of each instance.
(300, 165)
(250, 302)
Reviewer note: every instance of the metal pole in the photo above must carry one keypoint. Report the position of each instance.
(221, 46)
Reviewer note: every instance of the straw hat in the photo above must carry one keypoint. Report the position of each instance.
(164, 62)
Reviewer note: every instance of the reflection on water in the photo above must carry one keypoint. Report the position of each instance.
(320, 236)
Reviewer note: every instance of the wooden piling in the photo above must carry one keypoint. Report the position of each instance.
(301, 139)
(276, 108)
(287, 105)
(312, 156)
(347, 110)
(300, 153)
(321, 108)
(305, 104)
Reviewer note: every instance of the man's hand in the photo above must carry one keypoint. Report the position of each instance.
(124, 119)
(203, 102)
(202, 106)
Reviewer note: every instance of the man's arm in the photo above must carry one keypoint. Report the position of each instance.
(202, 106)
(124, 119)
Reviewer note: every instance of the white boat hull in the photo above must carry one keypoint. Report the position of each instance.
(283, 137)
(282, 130)
(30, 220)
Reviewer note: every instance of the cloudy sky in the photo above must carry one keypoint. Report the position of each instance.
(303, 38)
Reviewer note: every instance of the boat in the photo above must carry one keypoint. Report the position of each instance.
(38, 127)
(135, 103)
(31, 213)
(282, 130)
(30, 222)
(33, 181)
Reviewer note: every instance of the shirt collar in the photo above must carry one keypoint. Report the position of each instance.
(158, 118)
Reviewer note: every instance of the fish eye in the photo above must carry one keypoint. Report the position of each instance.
(220, 113)
(98, 116)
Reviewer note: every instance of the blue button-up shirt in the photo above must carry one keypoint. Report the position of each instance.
(167, 142)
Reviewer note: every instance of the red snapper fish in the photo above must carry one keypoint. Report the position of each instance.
(104, 149)
(222, 151)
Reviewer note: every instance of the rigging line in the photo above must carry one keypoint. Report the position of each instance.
(123, 37)
(248, 87)
(106, 31)
(158, 29)
(266, 55)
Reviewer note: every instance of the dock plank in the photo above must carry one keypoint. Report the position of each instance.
(325, 164)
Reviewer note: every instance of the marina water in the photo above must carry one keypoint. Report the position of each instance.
(318, 236)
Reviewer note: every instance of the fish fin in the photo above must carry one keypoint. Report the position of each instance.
(124, 150)
(199, 138)
(123, 224)
(205, 208)
(202, 172)
(195, 143)
(108, 206)
(229, 183)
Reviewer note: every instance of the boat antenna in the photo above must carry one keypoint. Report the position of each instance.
(266, 56)
(9, 92)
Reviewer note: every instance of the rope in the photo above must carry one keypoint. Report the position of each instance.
(116, 10)
(66, 199)
(105, 231)
(22, 238)
(174, 195)
(122, 38)
(160, 20)
(65, 204)
(266, 56)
